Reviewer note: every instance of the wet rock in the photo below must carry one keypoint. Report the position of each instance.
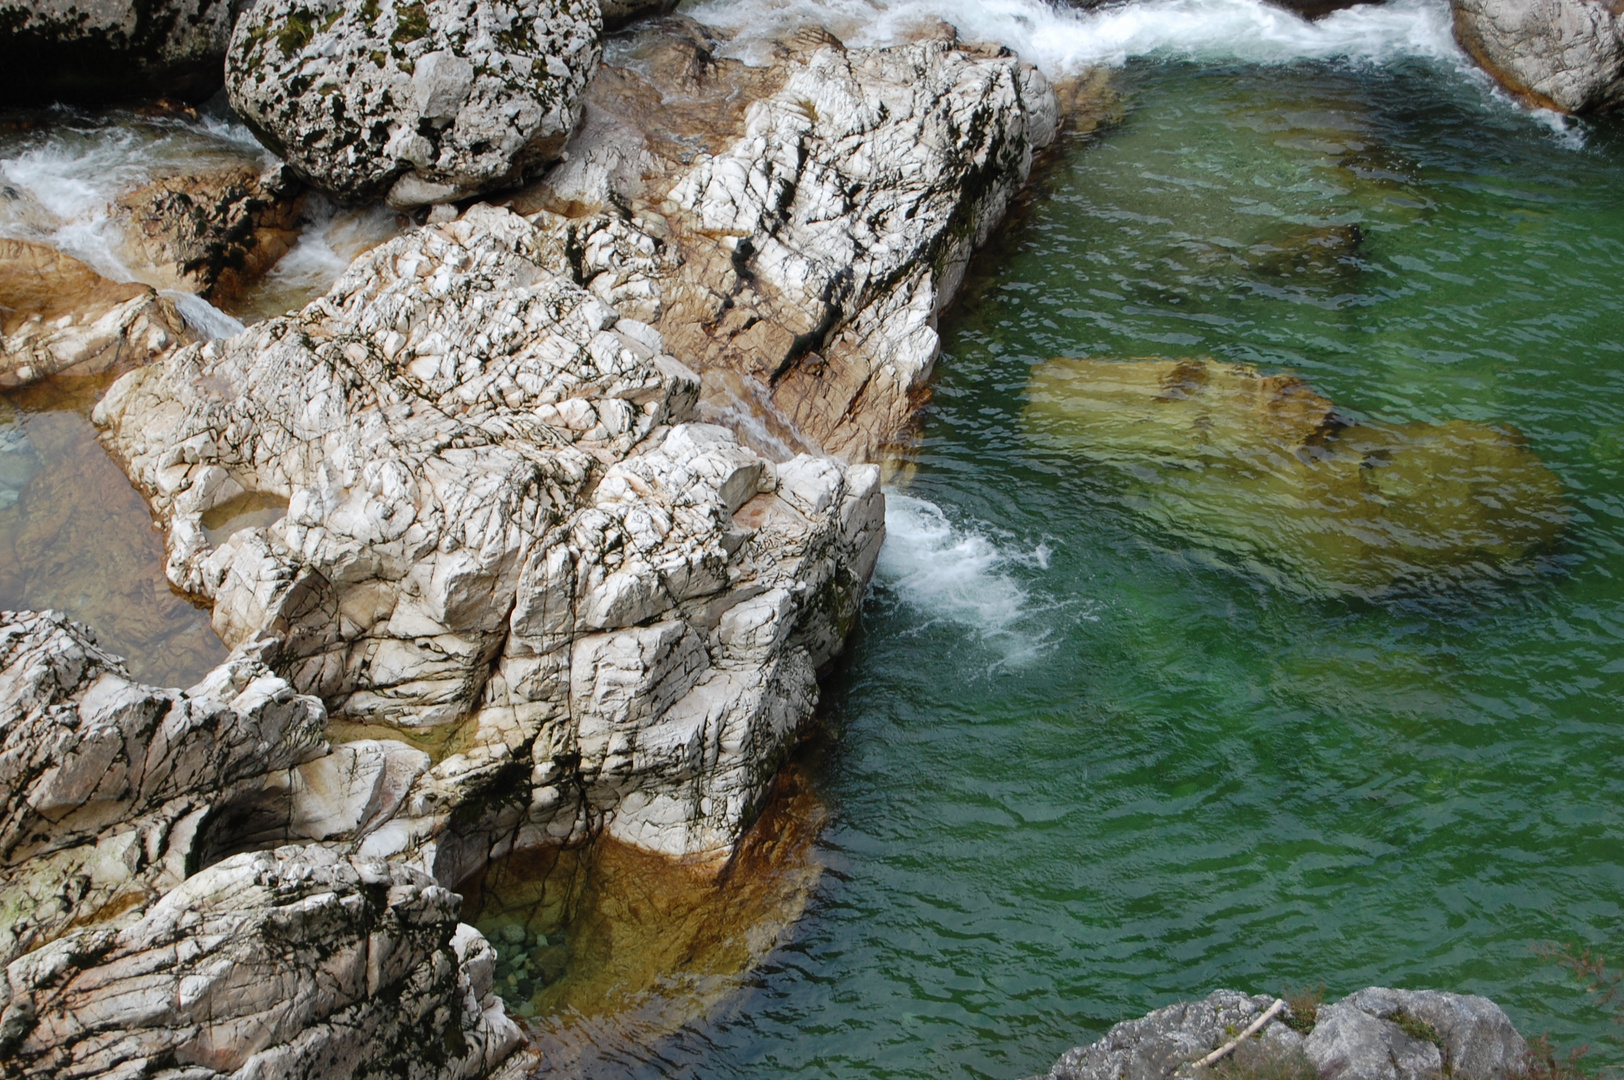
(425, 102)
(1559, 54)
(618, 13)
(297, 963)
(1373, 1034)
(109, 50)
(498, 509)
(1318, 9)
(105, 783)
(801, 223)
(60, 317)
(212, 233)
(1265, 469)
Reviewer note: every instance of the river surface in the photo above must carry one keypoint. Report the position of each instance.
(1083, 759)
(1080, 766)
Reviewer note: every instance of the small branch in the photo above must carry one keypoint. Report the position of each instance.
(1251, 1029)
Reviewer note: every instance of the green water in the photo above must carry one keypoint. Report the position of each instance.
(1078, 767)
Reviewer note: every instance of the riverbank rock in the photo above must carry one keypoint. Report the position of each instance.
(423, 102)
(1374, 1034)
(1558, 54)
(500, 514)
(1263, 468)
(112, 50)
(212, 233)
(297, 963)
(60, 317)
(795, 229)
(107, 786)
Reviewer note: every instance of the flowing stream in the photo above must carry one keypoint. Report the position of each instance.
(1092, 750)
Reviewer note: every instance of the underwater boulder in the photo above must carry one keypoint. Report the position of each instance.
(1264, 469)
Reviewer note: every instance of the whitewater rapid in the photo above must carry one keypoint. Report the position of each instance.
(1062, 40)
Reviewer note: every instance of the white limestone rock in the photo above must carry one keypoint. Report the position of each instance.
(1560, 54)
(106, 783)
(290, 964)
(814, 248)
(428, 101)
(497, 511)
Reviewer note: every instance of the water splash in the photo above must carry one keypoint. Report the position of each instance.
(957, 574)
(1063, 41)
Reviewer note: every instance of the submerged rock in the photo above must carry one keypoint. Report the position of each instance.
(1374, 1034)
(1559, 54)
(293, 964)
(497, 508)
(1264, 468)
(109, 50)
(426, 102)
(60, 317)
(211, 233)
(803, 223)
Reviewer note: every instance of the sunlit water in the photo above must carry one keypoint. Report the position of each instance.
(1080, 766)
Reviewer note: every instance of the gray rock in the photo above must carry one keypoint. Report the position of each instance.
(428, 102)
(1559, 54)
(293, 964)
(1462, 1035)
(1374, 1034)
(1155, 1046)
(100, 50)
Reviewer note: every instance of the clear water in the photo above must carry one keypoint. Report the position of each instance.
(1078, 767)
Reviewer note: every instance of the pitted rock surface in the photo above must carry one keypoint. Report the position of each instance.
(499, 516)
(811, 221)
(294, 964)
(1562, 54)
(428, 101)
(111, 50)
(60, 317)
(1155, 1046)
(104, 782)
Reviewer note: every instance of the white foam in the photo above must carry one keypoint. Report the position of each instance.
(957, 574)
(203, 317)
(1062, 40)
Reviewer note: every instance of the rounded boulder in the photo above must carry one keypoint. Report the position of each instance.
(419, 101)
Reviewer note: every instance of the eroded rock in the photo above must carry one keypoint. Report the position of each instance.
(811, 220)
(1559, 54)
(60, 317)
(211, 233)
(497, 508)
(1262, 467)
(104, 782)
(426, 102)
(293, 964)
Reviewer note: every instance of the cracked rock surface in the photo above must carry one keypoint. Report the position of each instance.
(500, 516)
(795, 230)
(295, 963)
(428, 101)
(60, 317)
(1559, 54)
(1373, 1034)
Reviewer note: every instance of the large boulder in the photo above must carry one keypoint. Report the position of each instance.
(1559, 54)
(60, 317)
(1374, 1034)
(100, 50)
(497, 509)
(294, 964)
(795, 228)
(427, 101)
